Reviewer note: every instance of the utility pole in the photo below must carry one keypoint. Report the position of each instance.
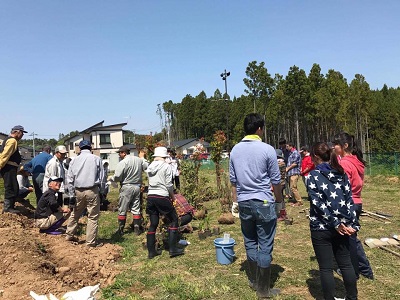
(159, 112)
(224, 78)
(33, 143)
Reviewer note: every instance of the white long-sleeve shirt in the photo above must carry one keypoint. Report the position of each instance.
(54, 167)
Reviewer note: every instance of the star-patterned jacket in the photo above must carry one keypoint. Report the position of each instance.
(331, 200)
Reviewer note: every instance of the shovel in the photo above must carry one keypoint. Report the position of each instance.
(390, 242)
(372, 215)
(375, 243)
(396, 237)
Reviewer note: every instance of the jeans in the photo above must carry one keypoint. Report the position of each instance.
(329, 244)
(360, 261)
(37, 180)
(258, 223)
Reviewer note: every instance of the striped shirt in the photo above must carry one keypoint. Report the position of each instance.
(294, 158)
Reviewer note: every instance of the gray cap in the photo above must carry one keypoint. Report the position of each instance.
(19, 127)
(279, 153)
(124, 149)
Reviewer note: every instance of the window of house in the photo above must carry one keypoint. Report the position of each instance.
(105, 139)
(71, 146)
(104, 156)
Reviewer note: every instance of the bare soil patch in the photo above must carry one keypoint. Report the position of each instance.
(48, 263)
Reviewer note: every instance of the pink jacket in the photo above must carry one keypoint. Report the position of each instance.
(355, 170)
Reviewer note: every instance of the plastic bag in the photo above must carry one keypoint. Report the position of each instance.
(85, 293)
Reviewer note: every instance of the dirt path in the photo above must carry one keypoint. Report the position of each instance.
(48, 263)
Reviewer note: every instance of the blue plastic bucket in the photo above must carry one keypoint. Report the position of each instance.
(225, 253)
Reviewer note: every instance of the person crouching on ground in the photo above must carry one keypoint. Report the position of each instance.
(25, 187)
(49, 214)
(160, 200)
(332, 220)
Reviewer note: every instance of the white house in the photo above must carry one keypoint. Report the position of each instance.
(188, 146)
(105, 140)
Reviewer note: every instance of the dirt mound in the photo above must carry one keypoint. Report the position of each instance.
(48, 263)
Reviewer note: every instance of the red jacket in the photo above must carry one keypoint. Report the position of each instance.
(355, 170)
(306, 165)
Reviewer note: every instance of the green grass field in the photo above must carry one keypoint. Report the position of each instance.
(197, 275)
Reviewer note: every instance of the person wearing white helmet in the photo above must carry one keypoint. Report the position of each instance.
(160, 200)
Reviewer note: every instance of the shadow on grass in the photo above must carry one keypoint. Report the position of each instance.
(275, 271)
(115, 238)
(315, 289)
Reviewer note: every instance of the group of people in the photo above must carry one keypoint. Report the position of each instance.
(333, 177)
(161, 199)
(83, 182)
(333, 181)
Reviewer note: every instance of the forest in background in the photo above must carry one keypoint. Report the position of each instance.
(300, 107)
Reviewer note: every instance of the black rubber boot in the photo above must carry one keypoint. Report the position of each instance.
(121, 226)
(25, 203)
(263, 284)
(137, 226)
(173, 243)
(151, 246)
(252, 275)
(9, 207)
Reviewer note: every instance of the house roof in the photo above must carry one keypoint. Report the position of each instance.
(98, 127)
(181, 143)
(108, 127)
(90, 129)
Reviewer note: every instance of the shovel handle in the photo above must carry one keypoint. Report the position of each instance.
(375, 215)
(388, 250)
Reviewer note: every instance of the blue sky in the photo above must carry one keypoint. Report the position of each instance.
(67, 65)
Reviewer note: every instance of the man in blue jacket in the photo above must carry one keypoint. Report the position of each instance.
(38, 165)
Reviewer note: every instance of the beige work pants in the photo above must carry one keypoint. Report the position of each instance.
(89, 199)
(293, 187)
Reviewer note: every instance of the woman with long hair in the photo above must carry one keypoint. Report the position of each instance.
(332, 220)
(351, 159)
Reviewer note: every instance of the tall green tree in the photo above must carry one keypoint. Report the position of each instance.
(331, 105)
(359, 100)
(297, 93)
(259, 85)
